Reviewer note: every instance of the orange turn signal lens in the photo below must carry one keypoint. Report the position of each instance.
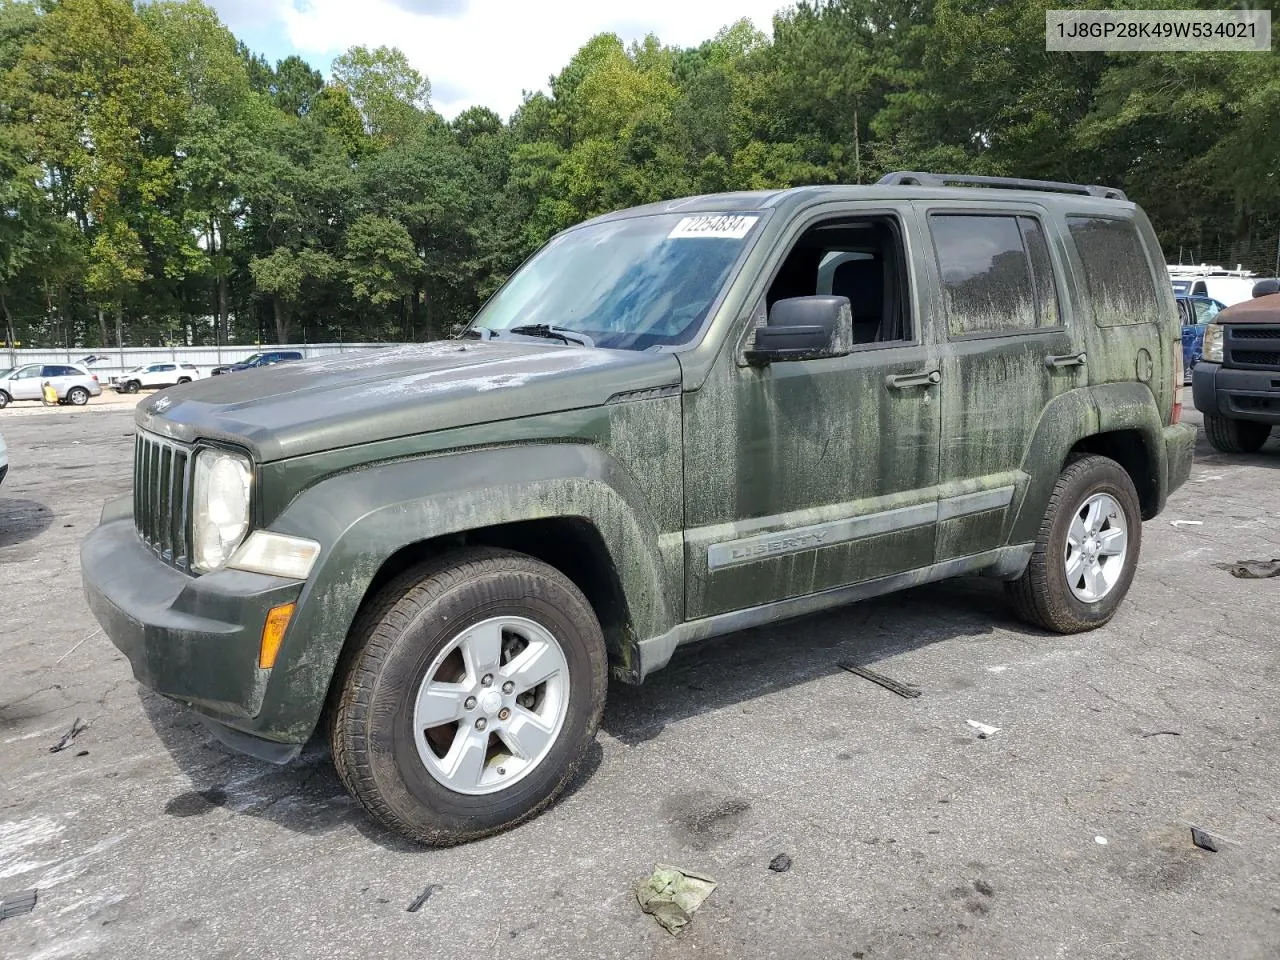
(273, 632)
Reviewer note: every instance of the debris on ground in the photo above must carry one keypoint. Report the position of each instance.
(1186, 523)
(1161, 733)
(16, 904)
(1203, 840)
(984, 730)
(672, 895)
(1101, 841)
(901, 689)
(78, 727)
(780, 864)
(423, 897)
(1251, 569)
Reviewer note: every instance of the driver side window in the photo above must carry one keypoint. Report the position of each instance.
(858, 258)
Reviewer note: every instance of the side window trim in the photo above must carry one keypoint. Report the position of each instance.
(1017, 215)
(912, 294)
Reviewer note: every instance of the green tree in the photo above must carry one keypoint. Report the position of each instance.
(391, 96)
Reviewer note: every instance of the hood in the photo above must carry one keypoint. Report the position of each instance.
(307, 406)
(1259, 310)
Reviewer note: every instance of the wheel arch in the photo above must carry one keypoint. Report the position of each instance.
(1117, 420)
(568, 505)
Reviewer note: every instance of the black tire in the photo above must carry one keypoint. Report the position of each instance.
(1042, 596)
(395, 640)
(182, 380)
(1235, 436)
(133, 386)
(5, 399)
(77, 396)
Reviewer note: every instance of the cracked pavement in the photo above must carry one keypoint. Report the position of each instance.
(909, 835)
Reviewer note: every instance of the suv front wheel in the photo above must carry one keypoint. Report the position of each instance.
(1086, 552)
(469, 696)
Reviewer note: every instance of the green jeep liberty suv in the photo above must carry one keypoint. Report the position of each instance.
(672, 422)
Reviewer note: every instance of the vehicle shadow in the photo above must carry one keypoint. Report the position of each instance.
(740, 667)
(306, 796)
(22, 520)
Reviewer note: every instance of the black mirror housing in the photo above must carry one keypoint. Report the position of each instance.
(804, 328)
(1265, 288)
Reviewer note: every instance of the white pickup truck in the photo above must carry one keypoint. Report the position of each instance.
(155, 375)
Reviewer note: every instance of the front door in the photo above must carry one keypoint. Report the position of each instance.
(808, 475)
(26, 381)
(1008, 347)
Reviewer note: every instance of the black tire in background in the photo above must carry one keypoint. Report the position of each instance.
(1042, 596)
(5, 399)
(133, 386)
(77, 396)
(1235, 436)
(393, 643)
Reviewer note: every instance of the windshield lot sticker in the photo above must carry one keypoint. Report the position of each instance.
(726, 225)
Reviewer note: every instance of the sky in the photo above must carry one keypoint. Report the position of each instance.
(476, 52)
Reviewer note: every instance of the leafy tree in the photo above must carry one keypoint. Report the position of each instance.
(391, 96)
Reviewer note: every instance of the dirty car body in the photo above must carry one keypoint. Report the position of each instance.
(765, 404)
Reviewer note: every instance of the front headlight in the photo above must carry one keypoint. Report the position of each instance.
(1212, 348)
(220, 512)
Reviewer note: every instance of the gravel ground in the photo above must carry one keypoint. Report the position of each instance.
(1065, 834)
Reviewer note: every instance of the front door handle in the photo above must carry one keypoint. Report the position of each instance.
(906, 380)
(1066, 360)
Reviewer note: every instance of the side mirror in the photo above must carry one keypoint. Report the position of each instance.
(804, 328)
(1265, 288)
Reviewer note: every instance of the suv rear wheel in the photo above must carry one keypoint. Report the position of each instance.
(1235, 436)
(470, 694)
(77, 396)
(1086, 552)
(4, 399)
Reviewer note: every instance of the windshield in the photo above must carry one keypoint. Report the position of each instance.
(625, 284)
(253, 358)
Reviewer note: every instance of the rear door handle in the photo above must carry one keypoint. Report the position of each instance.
(1066, 360)
(906, 380)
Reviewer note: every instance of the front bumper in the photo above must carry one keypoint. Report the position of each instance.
(192, 639)
(1236, 394)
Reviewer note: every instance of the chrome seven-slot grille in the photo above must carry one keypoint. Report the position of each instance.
(160, 501)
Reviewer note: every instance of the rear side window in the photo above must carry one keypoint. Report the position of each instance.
(1116, 272)
(996, 274)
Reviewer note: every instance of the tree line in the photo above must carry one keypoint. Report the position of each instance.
(160, 183)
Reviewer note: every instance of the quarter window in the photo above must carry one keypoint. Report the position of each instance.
(1116, 271)
(997, 276)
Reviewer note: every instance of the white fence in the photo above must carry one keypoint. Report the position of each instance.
(113, 362)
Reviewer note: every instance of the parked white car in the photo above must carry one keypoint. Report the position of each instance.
(155, 375)
(4, 459)
(75, 384)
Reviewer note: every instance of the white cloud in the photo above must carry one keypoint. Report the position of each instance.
(486, 52)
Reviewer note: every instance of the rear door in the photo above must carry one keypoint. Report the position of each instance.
(1008, 346)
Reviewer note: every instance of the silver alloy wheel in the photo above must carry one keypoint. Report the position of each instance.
(1097, 544)
(78, 396)
(491, 705)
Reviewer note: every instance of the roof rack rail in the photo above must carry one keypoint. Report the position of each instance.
(910, 177)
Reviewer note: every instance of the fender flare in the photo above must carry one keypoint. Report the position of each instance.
(1075, 416)
(362, 517)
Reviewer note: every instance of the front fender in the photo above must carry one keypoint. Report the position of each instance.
(364, 516)
(1072, 417)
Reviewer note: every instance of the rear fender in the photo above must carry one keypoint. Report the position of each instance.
(1075, 416)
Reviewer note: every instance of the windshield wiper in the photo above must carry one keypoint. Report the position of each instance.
(548, 332)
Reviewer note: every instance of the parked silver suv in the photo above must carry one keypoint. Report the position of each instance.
(75, 384)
